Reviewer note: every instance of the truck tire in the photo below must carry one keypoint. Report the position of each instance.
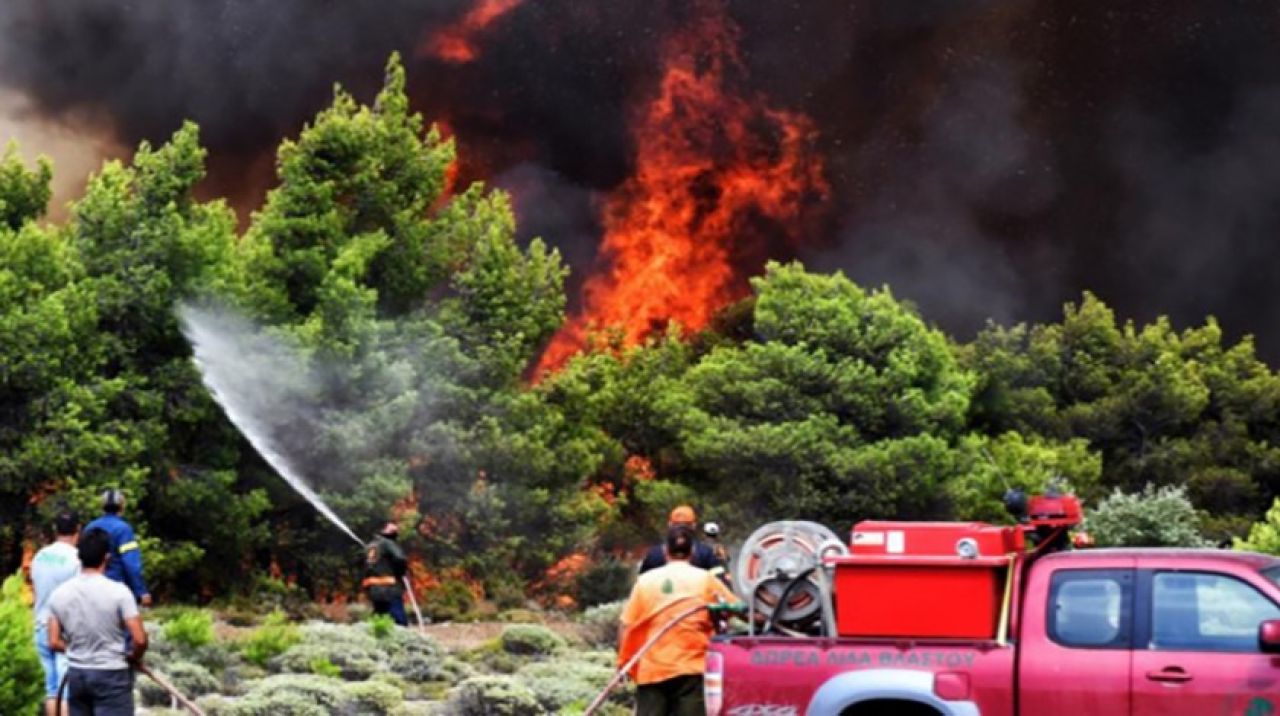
(890, 707)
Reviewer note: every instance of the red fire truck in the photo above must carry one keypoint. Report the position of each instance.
(961, 619)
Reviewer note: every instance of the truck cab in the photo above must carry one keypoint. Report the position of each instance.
(1001, 628)
(1150, 631)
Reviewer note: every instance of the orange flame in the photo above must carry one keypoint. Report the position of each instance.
(709, 162)
(457, 42)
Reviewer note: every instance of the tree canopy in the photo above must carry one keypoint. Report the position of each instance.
(416, 316)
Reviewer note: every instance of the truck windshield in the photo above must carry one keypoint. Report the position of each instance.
(1272, 573)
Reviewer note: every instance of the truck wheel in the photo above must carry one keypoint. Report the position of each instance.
(890, 707)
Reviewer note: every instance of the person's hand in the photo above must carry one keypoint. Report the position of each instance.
(145, 601)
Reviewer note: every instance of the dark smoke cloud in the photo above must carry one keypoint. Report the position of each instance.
(988, 159)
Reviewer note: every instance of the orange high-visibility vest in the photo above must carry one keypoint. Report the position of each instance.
(683, 650)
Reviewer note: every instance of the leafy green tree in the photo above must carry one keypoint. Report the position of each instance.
(1159, 406)
(1264, 536)
(21, 676)
(842, 406)
(992, 465)
(24, 195)
(1154, 517)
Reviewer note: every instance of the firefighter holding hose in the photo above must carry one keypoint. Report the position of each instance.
(668, 675)
(384, 570)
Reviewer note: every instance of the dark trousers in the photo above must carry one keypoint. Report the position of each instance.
(394, 607)
(100, 692)
(681, 696)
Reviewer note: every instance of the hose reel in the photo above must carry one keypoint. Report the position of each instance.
(778, 573)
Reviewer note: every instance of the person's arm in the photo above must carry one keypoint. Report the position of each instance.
(131, 562)
(139, 636)
(132, 621)
(55, 635)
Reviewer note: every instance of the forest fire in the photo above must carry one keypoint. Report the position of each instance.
(456, 43)
(715, 170)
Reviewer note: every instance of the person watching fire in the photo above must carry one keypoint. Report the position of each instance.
(125, 566)
(668, 676)
(703, 555)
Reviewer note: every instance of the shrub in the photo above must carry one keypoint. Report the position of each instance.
(607, 580)
(418, 667)
(381, 626)
(1264, 536)
(321, 666)
(274, 637)
(520, 616)
(191, 628)
(559, 685)
(505, 589)
(21, 676)
(295, 695)
(375, 698)
(1161, 517)
(352, 664)
(451, 601)
(600, 625)
(530, 640)
(192, 680)
(493, 696)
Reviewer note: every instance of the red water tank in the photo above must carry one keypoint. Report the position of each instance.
(934, 538)
(924, 579)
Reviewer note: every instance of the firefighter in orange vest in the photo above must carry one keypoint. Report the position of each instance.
(668, 676)
(384, 569)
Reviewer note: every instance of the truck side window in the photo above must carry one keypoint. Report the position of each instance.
(1198, 611)
(1089, 608)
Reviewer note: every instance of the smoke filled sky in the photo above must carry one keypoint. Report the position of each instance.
(986, 159)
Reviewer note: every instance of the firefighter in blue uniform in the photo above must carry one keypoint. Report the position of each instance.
(125, 565)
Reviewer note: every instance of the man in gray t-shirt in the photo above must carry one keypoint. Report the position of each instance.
(89, 618)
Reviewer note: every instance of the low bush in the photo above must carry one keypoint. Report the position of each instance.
(321, 666)
(600, 625)
(1155, 517)
(381, 626)
(418, 667)
(530, 640)
(561, 685)
(273, 638)
(374, 698)
(452, 600)
(293, 695)
(493, 696)
(353, 664)
(606, 580)
(191, 680)
(190, 628)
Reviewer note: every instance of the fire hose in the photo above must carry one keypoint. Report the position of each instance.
(169, 688)
(599, 700)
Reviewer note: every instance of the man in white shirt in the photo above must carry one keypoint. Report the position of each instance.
(52, 566)
(90, 617)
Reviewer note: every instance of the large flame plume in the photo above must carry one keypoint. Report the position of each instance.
(711, 167)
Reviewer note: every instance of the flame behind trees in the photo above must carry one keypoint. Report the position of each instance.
(714, 171)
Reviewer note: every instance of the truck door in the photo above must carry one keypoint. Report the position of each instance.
(1076, 639)
(1198, 646)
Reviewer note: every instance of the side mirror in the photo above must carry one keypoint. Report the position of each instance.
(1269, 636)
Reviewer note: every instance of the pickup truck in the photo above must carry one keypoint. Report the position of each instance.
(1127, 632)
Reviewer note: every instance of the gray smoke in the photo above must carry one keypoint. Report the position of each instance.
(923, 228)
(265, 387)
